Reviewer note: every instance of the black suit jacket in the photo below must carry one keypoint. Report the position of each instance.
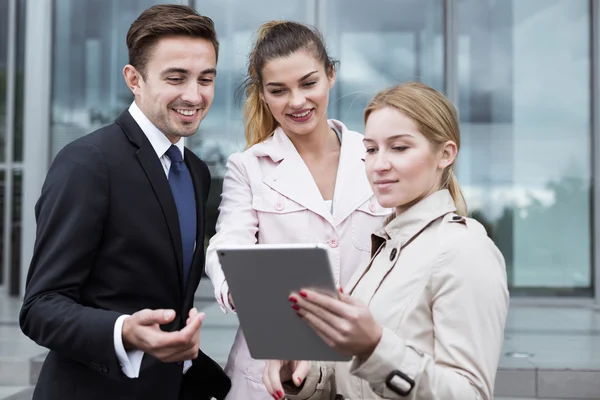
(108, 243)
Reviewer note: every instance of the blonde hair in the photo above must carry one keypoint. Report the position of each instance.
(275, 39)
(436, 118)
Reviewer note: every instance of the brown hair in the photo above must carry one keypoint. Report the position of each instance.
(275, 39)
(436, 118)
(166, 20)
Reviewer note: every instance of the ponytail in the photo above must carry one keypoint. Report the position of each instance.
(259, 123)
(454, 188)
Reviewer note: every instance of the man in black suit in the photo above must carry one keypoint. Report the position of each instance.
(120, 233)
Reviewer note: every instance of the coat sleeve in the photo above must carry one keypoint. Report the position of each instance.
(469, 308)
(237, 224)
(70, 214)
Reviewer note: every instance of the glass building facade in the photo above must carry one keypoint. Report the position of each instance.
(522, 73)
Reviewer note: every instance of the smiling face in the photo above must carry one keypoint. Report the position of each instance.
(296, 90)
(177, 89)
(402, 165)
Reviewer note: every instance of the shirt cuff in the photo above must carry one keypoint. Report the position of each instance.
(130, 361)
(187, 364)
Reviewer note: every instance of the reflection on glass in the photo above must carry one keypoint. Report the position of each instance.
(3, 72)
(19, 84)
(2, 222)
(15, 237)
(88, 90)
(525, 163)
(222, 131)
(381, 44)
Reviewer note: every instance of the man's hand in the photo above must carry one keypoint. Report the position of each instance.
(142, 331)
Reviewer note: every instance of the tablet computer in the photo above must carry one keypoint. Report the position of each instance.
(261, 278)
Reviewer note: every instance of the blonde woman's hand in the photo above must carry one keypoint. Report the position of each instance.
(278, 371)
(344, 323)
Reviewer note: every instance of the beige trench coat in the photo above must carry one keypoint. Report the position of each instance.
(437, 285)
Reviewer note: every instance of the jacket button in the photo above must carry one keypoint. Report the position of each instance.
(333, 243)
(279, 206)
(393, 254)
(372, 207)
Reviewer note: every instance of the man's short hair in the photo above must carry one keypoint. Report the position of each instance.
(166, 20)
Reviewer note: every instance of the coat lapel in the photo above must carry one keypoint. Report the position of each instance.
(200, 188)
(292, 178)
(156, 175)
(352, 186)
(402, 230)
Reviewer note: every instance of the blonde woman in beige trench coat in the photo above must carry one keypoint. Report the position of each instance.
(425, 320)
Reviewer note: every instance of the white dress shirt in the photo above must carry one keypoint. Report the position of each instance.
(131, 361)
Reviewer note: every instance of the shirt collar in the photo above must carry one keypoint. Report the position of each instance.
(157, 139)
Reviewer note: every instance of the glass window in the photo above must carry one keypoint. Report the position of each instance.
(380, 44)
(15, 234)
(222, 131)
(88, 89)
(3, 72)
(20, 82)
(525, 165)
(3, 99)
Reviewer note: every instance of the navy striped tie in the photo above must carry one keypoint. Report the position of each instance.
(183, 193)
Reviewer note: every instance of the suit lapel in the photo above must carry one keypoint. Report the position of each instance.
(156, 175)
(200, 187)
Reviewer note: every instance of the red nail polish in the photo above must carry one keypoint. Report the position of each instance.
(303, 294)
(275, 397)
(293, 299)
(280, 394)
(341, 290)
(296, 307)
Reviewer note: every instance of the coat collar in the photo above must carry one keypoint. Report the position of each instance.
(402, 228)
(292, 178)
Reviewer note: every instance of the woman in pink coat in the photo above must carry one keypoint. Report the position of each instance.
(301, 180)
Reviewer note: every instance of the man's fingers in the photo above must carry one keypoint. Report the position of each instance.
(179, 356)
(192, 328)
(193, 312)
(151, 317)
